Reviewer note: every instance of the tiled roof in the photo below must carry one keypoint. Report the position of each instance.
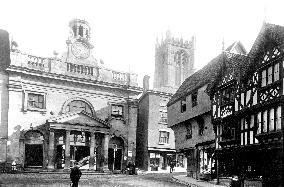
(211, 74)
(235, 64)
(240, 64)
(237, 44)
(198, 79)
(268, 31)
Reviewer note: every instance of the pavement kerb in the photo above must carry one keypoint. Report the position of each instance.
(186, 181)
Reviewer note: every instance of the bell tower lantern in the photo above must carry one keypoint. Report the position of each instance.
(80, 29)
(79, 43)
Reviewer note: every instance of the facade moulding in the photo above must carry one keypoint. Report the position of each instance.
(74, 79)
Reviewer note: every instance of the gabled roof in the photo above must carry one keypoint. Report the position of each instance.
(237, 47)
(210, 74)
(239, 63)
(81, 117)
(269, 32)
(234, 65)
(198, 79)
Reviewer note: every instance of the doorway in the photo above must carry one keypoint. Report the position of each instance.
(114, 159)
(115, 153)
(33, 155)
(33, 149)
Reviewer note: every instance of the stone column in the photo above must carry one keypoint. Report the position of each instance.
(67, 150)
(92, 151)
(51, 150)
(105, 152)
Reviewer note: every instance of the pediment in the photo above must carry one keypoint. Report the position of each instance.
(81, 118)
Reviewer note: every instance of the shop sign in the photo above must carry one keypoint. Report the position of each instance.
(130, 153)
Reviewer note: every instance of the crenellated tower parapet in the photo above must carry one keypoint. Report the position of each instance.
(177, 42)
(174, 62)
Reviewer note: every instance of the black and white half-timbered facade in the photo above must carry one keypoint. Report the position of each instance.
(247, 108)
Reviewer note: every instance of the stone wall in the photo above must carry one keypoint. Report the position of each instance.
(58, 93)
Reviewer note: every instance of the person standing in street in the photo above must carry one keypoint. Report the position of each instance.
(172, 165)
(75, 175)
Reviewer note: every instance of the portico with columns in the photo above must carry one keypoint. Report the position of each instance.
(73, 137)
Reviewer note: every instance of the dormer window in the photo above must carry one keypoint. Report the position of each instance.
(81, 30)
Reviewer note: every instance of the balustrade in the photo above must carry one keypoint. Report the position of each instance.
(81, 69)
(119, 76)
(55, 65)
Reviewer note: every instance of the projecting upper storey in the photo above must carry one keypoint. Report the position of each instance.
(252, 80)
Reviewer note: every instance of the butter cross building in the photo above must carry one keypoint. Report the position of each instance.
(58, 110)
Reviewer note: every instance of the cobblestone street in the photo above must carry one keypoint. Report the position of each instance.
(87, 180)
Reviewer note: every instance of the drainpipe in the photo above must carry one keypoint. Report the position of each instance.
(217, 168)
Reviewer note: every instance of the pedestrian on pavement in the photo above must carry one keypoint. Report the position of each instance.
(172, 165)
(75, 175)
(130, 168)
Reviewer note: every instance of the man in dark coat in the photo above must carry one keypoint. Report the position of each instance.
(75, 175)
(172, 165)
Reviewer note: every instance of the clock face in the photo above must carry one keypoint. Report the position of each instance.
(80, 50)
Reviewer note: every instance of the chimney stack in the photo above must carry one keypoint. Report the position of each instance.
(4, 49)
(146, 82)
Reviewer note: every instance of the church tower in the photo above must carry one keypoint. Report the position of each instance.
(174, 62)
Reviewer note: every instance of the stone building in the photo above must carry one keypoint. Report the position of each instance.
(174, 61)
(189, 116)
(247, 111)
(55, 111)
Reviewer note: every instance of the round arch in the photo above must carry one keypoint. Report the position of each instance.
(66, 104)
(34, 148)
(116, 153)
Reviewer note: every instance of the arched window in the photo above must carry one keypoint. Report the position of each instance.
(87, 33)
(181, 60)
(81, 30)
(74, 28)
(78, 106)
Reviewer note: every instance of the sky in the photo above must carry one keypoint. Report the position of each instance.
(124, 32)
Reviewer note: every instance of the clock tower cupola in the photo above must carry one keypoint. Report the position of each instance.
(80, 29)
(79, 42)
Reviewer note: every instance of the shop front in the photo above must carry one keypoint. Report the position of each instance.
(159, 159)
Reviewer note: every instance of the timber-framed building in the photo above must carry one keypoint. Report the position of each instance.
(247, 111)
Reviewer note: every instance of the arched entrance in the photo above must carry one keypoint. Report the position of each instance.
(33, 149)
(115, 153)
